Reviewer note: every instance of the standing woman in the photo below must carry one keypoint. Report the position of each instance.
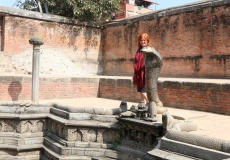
(139, 67)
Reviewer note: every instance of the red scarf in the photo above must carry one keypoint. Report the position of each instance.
(139, 69)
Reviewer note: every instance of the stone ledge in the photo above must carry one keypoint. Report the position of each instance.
(168, 146)
(27, 157)
(22, 116)
(21, 147)
(164, 154)
(198, 140)
(85, 109)
(14, 135)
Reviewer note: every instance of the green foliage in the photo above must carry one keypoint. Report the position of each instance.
(27, 4)
(84, 10)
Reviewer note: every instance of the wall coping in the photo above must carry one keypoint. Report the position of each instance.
(160, 79)
(170, 11)
(43, 16)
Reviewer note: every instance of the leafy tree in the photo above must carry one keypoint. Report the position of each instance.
(84, 10)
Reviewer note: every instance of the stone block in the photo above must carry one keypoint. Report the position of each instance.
(78, 151)
(94, 152)
(58, 112)
(79, 116)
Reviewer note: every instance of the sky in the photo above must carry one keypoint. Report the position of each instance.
(163, 4)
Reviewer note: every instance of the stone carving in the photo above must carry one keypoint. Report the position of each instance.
(36, 126)
(153, 63)
(79, 135)
(23, 126)
(26, 104)
(2, 126)
(169, 123)
(128, 114)
(207, 142)
(139, 135)
(84, 132)
(92, 135)
(72, 134)
(23, 105)
(41, 125)
(100, 135)
(123, 106)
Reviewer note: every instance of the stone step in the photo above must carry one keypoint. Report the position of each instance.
(95, 150)
(49, 154)
(26, 157)
(164, 154)
(83, 116)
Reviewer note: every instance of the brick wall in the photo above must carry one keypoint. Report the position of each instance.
(80, 41)
(20, 88)
(203, 96)
(193, 40)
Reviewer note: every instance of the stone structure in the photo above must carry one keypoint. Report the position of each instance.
(51, 131)
(36, 42)
(140, 135)
(170, 123)
(178, 143)
(189, 146)
(153, 63)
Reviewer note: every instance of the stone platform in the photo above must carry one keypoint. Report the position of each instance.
(209, 124)
(210, 141)
(88, 128)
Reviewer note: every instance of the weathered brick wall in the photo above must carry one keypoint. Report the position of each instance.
(202, 96)
(194, 41)
(78, 40)
(20, 88)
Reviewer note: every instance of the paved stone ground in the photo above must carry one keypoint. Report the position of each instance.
(209, 124)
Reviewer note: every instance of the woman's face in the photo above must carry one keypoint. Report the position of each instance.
(143, 42)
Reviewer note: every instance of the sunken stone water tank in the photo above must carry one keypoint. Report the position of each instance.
(51, 131)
